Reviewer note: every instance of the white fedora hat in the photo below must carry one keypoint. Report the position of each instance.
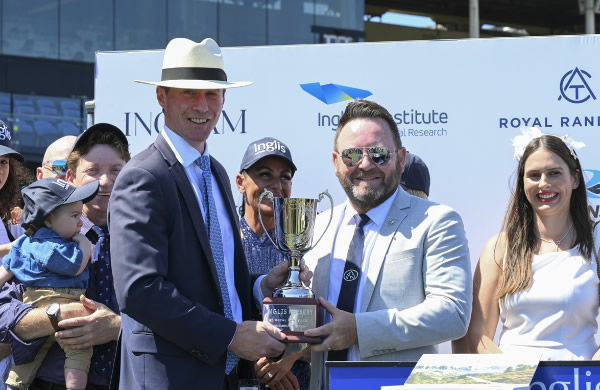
(191, 65)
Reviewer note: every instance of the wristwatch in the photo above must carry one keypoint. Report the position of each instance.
(52, 313)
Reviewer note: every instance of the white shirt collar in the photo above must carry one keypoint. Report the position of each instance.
(185, 153)
(377, 214)
(86, 225)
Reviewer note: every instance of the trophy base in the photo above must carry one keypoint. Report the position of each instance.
(299, 337)
(293, 316)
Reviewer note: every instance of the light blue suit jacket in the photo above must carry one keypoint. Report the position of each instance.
(418, 292)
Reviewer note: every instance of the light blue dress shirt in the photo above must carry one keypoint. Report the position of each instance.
(345, 231)
(187, 155)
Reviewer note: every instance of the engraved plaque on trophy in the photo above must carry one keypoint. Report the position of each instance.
(293, 307)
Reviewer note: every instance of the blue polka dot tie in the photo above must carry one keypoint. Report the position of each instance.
(216, 244)
(100, 268)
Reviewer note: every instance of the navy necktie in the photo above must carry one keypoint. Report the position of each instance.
(216, 244)
(101, 271)
(351, 277)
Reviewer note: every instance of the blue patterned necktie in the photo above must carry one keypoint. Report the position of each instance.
(216, 244)
(101, 270)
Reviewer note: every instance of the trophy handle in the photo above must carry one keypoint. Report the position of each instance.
(269, 195)
(325, 193)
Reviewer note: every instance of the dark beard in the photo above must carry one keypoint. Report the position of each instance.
(372, 197)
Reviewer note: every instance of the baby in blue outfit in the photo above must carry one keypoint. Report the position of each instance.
(50, 261)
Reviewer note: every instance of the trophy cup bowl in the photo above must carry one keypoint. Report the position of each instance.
(293, 307)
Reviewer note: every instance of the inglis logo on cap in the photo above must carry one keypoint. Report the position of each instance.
(61, 183)
(4, 132)
(269, 147)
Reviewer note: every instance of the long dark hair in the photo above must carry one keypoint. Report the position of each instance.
(519, 219)
(10, 194)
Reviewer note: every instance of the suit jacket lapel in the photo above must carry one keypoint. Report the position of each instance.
(395, 217)
(189, 199)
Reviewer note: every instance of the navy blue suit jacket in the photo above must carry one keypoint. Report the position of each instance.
(173, 331)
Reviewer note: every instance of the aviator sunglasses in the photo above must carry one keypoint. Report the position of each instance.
(378, 154)
(58, 167)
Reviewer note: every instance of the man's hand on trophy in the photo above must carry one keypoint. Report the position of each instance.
(255, 339)
(340, 332)
(279, 274)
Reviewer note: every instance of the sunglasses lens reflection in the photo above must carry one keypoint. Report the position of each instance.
(59, 167)
(352, 155)
(378, 154)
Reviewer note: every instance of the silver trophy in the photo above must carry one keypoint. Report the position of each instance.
(293, 307)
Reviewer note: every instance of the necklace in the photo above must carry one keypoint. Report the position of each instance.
(557, 242)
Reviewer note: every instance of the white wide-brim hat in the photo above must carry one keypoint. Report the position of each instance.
(191, 65)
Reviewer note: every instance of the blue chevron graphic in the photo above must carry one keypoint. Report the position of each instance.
(592, 183)
(334, 93)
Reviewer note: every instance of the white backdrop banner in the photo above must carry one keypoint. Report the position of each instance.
(457, 103)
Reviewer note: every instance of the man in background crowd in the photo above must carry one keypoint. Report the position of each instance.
(415, 177)
(54, 163)
(99, 153)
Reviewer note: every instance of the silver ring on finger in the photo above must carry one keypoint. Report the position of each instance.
(269, 375)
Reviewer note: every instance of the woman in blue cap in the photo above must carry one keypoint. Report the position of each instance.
(12, 176)
(268, 164)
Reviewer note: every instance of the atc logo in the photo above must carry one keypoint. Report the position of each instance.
(574, 86)
(334, 93)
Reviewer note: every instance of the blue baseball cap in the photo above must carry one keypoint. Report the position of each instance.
(5, 143)
(42, 197)
(266, 147)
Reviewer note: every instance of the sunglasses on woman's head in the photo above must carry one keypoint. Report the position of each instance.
(58, 167)
(378, 154)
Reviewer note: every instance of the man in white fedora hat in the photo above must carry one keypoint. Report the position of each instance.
(181, 277)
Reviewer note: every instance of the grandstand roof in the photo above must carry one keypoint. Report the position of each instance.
(538, 17)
